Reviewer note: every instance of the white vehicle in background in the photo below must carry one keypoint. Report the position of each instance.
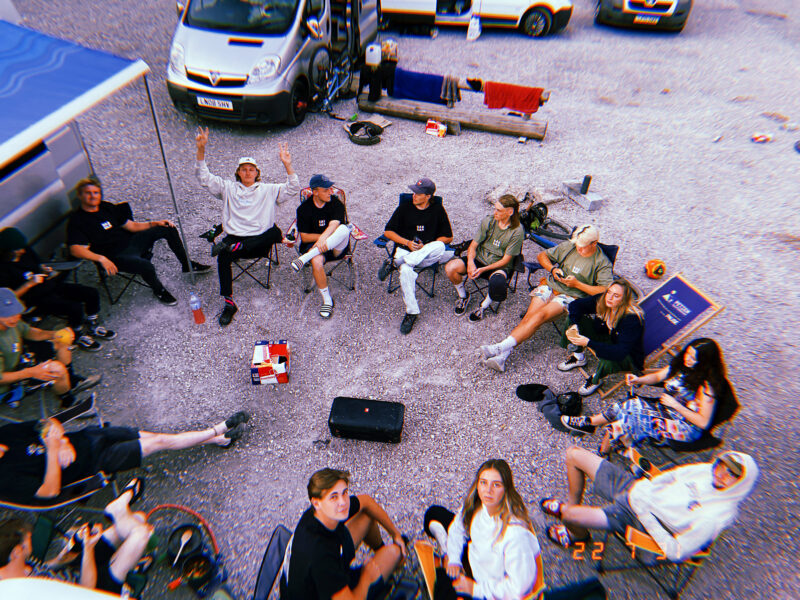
(533, 17)
(250, 60)
(666, 15)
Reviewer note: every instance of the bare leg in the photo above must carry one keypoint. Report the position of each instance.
(538, 314)
(63, 353)
(318, 270)
(455, 270)
(155, 442)
(61, 383)
(131, 551)
(581, 464)
(364, 528)
(605, 445)
(579, 519)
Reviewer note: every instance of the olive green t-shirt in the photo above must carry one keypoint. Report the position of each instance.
(11, 349)
(591, 270)
(494, 242)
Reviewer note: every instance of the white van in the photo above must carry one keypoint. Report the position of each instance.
(248, 60)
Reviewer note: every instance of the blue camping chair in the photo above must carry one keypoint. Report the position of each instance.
(383, 242)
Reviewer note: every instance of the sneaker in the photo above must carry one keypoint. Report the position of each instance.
(408, 323)
(461, 305)
(85, 383)
(497, 363)
(198, 268)
(298, 264)
(588, 388)
(85, 342)
(580, 425)
(384, 271)
(476, 315)
(165, 297)
(218, 247)
(487, 352)
(572, 362)
(226, 316)
(98, 331)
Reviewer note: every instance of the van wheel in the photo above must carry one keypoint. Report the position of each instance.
(298, 103)
(320, 70)
(537, 22)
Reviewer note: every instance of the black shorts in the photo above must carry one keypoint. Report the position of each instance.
(613, 482)
(41, 350)
(114, 448)
(498, 286)
(376, 589)
(103, 552)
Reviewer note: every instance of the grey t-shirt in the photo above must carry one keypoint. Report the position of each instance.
(591, 270)
(494, 242)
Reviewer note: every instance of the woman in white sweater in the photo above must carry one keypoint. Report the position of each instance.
(492, 551)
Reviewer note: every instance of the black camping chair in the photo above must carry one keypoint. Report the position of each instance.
(481, 285)
(272, 564)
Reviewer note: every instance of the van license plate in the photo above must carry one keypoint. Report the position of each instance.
(214, 103)
(639, 20)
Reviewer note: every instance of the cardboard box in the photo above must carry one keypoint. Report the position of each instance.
(271, 362)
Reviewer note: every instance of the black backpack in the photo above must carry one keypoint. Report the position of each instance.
(570, 404)
(534, 216)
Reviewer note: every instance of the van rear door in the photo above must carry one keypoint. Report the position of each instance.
(367, 22)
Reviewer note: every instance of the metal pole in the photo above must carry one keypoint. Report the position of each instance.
(169, 179)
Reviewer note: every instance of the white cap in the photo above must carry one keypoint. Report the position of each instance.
(247, 160)
(583, 236)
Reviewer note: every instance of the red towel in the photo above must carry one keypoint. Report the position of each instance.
(507, 95)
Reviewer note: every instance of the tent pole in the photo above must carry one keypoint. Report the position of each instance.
(169, 179)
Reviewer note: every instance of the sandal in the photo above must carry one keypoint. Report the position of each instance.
(326, 310)
(551, 506)
(137, 485)
(560, 536)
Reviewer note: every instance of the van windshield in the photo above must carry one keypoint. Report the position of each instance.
(248, 16)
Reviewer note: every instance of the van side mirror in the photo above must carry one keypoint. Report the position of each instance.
(314, 28)
(179, 6)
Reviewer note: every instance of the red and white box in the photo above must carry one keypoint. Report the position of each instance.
(271, 362)
(435, 128)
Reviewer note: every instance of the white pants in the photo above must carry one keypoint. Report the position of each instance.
(337, 241)
(430, 254)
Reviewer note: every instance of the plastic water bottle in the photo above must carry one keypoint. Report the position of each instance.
(197, 310)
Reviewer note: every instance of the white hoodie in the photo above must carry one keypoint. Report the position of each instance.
(682, 510)
(503, 569)
(246, 211)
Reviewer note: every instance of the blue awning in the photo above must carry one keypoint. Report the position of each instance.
(46, 82)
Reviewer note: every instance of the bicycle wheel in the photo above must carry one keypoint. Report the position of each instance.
(554, 229)
(320, 71)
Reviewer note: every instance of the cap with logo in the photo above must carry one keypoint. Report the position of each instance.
(248, 160)
(423, 186)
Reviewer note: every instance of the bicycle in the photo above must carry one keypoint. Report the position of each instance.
(330, 77)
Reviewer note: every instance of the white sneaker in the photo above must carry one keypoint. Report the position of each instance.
(588, 388)
(487, 352)
(573, 362)
(498, 363)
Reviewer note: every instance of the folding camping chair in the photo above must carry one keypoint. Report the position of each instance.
(127, 278)
(672, 312)
(272, 565)
(383, 242)
(73, 493)
(481, 286)
(345, 258)
(678, 573)
(246, 265)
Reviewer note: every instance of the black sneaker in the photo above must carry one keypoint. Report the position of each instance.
(86, 342)
(165, 297)
(198, 268)
(226, 316)
(385, 269)
(98, 331)
(578, 424)
(588, 388)
(461, 305)
(408, 324)
(476, 315)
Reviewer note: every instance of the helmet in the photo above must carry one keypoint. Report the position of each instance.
(655, 268)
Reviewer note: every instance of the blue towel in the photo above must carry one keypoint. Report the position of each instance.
(418, 86)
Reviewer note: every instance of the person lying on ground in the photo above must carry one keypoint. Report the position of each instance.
(326, 539)
(492, 550)
(697, 397)
(94, 557)
(48, 292)
(106, 234)
(578, 268)
(37, 461)
(419, 229)
(50, 356)
(248, 213)
(683, 509)
(490, 256)
(324, 235)
(611, 324)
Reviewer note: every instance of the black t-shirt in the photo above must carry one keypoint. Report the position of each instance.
(409, 222)
(12, 273)
(102, 230)
(22, 466)
(320, 559)
(311, 219)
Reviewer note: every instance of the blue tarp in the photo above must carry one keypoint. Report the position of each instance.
(46, 82)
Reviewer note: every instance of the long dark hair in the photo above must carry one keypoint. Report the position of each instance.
(710, 369)
(512, 501)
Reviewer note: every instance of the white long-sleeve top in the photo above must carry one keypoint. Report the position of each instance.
(683, 512)
(503, 569)
(246, 211)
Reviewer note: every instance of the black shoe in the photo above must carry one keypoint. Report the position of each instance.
(211, 233)
(408, 324)
(219, 247)
(580, 425)
(227, 314)
(234, 435)
(84, 383)
(237, 418)
(385, 269)
(165, 297)
(459, 249)
(198, 268)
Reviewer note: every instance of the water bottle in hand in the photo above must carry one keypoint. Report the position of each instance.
(197, 310)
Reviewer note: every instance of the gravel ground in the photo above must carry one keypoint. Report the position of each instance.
(640, 112)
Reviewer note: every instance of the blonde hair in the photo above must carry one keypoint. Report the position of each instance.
(629, 305)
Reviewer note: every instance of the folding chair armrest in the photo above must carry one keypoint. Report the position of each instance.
(639, 539)
(381, 241)
(357, 233)
(650, 470)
